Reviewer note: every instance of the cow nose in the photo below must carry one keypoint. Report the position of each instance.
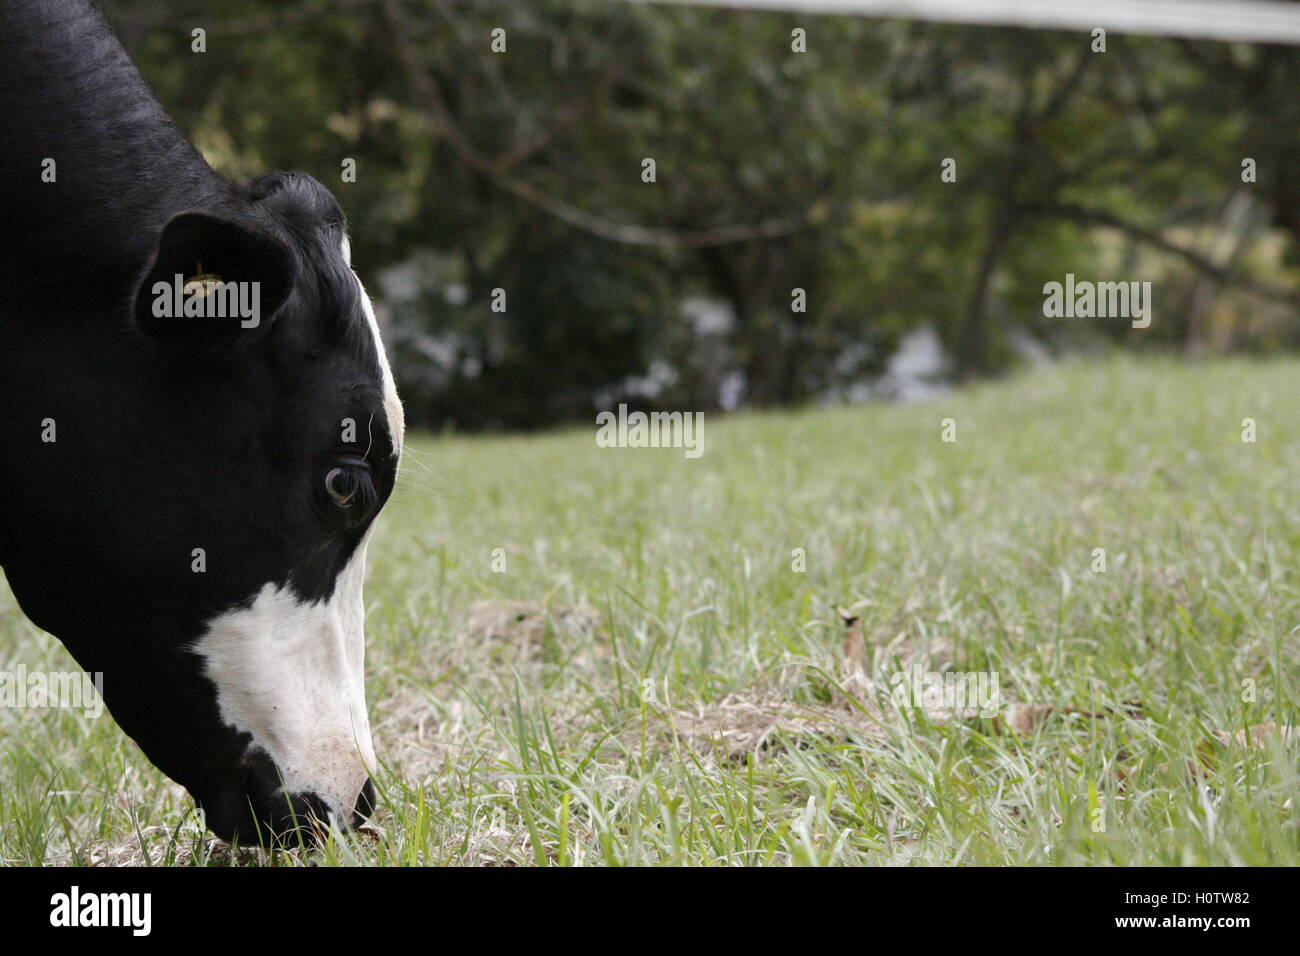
(275, 816)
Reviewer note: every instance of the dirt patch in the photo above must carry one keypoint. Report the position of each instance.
(417, 737)
(526, 625)
(743, 723)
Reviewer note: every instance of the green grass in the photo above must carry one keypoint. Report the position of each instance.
(526, 745)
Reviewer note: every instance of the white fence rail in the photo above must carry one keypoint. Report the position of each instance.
(1263, 21)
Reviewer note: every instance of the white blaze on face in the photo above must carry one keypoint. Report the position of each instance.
(291, 673)
(392, 405)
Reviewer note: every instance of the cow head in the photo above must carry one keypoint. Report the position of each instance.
(197, 533)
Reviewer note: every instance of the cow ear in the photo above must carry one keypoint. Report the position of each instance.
(212, 285)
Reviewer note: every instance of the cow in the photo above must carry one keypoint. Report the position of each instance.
(187, 492)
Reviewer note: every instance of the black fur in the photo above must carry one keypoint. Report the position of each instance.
(169, 438)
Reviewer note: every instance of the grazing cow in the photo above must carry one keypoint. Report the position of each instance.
(186, 497)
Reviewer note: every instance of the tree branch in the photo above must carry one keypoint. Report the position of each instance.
(1153, 237)
(495, 170)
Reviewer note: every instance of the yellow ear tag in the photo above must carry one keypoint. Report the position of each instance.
(202, 283)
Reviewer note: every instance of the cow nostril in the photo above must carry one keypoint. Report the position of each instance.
(312, 810)
(303, 818)
(365, 807)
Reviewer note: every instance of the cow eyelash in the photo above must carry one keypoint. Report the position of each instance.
(348, 485)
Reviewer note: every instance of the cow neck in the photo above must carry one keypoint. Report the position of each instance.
(69, 93)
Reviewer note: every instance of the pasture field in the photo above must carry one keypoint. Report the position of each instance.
(650, 679)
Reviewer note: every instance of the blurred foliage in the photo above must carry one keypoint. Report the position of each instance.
(776, 170)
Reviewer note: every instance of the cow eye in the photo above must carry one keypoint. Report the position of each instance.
(348, 488)
(342, 485)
